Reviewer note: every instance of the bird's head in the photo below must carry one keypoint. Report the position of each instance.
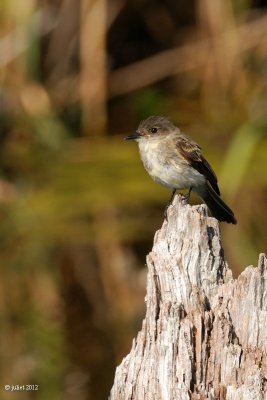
(152, 127)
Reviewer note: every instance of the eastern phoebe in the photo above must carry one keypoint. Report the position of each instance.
(174, 160)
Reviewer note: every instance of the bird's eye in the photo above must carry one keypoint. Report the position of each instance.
(154, 130)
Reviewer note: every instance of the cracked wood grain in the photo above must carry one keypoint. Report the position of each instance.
(204, 335)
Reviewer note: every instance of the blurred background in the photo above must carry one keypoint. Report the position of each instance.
(78, 212)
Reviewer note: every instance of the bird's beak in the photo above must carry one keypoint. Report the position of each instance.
(133, 136)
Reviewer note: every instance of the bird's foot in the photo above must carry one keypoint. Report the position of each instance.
(187, 196)
(168, 204)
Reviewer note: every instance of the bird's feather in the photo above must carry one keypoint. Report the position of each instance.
(192, 153)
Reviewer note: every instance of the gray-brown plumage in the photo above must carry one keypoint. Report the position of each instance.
(175, 160)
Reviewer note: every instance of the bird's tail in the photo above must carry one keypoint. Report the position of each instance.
(217, 206)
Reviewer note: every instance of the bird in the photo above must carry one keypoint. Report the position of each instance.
(175, 161)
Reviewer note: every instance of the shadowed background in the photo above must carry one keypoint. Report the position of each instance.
(78, 212)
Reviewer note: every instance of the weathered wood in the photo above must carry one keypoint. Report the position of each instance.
(204, 335)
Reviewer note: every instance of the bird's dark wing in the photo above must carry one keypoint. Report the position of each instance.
(191, 152)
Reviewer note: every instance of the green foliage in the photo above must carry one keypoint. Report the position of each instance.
(150, 102)
(239, 158)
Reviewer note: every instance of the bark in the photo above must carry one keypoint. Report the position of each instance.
(204, 335)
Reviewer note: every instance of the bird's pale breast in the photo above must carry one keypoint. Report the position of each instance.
(166, 166)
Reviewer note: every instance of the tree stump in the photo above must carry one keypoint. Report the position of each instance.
(204, 335)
